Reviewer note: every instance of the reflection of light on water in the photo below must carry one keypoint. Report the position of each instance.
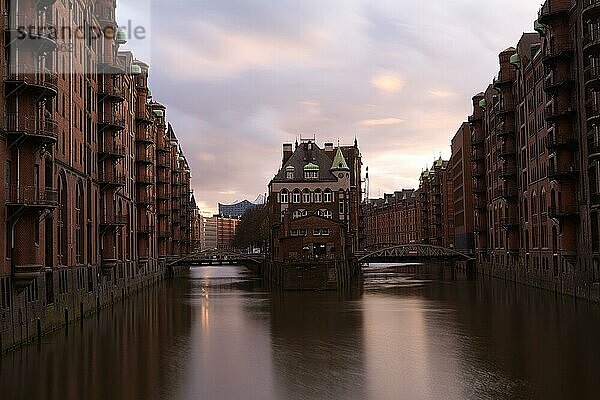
(205, 316)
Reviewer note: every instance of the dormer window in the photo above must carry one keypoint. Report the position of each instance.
(289, 172)
(311, 171)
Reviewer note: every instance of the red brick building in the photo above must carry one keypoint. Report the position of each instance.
(394, 219)
(425, 215)
(535, 161)
(536, 128)
(314, 202)
(460, 173)
(96, 189)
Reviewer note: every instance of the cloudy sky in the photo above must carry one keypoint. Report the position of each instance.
(240, 77)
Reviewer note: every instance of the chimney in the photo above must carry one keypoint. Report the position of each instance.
(287, 152)
(329, 147)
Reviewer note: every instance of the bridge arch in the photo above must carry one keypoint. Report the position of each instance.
(413, 252)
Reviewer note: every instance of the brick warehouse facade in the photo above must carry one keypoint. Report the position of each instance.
(96, 187)
(314, 202)
(535, 159)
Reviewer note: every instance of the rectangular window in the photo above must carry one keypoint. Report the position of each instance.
(49, 288)
(296, 197)
(32, 291)
(5, 293)
(325, 232)
(80, 278)
(63, 281)
(316, 232)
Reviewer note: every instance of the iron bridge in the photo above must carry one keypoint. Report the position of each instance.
(411, 253)
(218, 257)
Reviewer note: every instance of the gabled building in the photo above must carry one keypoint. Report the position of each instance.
(314, 202)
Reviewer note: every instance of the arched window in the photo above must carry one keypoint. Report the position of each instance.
(299, 213)
(79, 213)
(543, 201)
(296, 196)
(327, 196)
(306, 196)
(284, 196)
(289, 172)
(327, 214)
(318, 196)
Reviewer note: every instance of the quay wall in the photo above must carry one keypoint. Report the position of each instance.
(67, 295)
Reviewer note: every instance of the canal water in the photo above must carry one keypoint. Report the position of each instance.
(411, 332)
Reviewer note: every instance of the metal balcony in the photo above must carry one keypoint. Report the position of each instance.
(110, 64)
(554, 55)
(145, 180)
(502, 81)
(113, 220)
(31, 196)
(41, 32)
(144, 157)
(476, 141)
(145, 200)
(553, 83)
(473, 119)
(591, 42)
(480, 228)
(591, 9)
(506, 150)
(592, 113)
(478, 172)
(504, 110)
(507, 171)
(162, 180)
(111, 179)
(552, 10)
(509, 222)
(111, 120)
(562, 172)
(111, 92)
(505, 132)
(594, 151)
(563, 212)
(146, 229)
(592, 78)
(143, 116)
(554, 142)
(556, 111)
(477, 156)
(20, 124)
(112, 150)
(146, 138)
(45, 3)
(42, 83)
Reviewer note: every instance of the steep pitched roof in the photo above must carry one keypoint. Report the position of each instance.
(339, 161)
(303, 156)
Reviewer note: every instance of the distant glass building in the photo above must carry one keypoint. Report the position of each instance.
(237, 209)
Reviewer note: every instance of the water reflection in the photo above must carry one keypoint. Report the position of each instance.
(412, 332)
(318, 345)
